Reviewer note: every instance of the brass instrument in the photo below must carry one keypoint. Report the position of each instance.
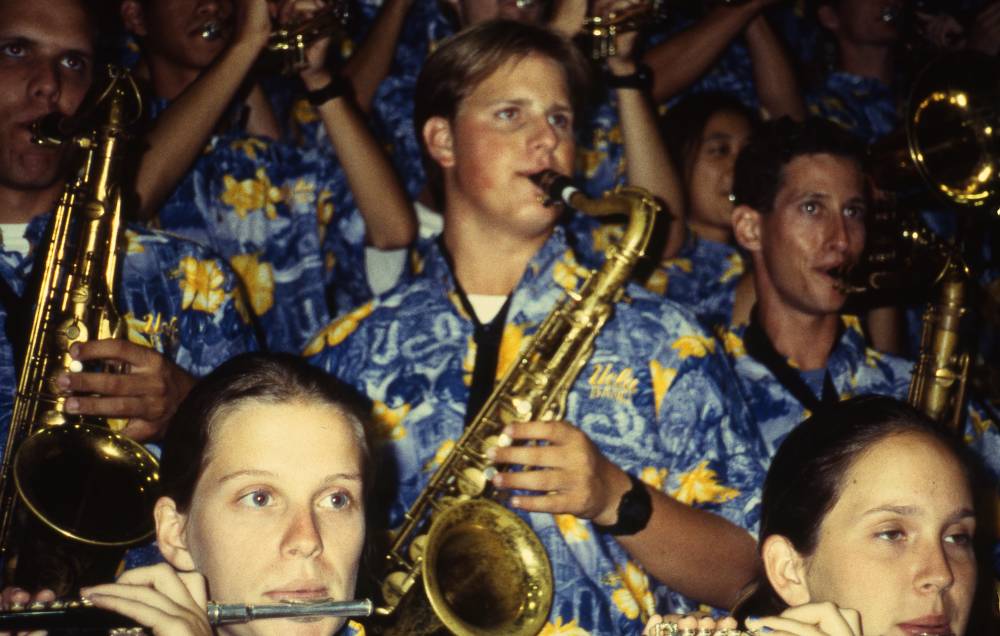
(286, 46)
(76, 474)
(482, 568)
(601, 30)
(951, 136)
(82, 617)
(939, 377)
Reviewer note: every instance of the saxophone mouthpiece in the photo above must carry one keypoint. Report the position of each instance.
(842, 282)
(53, 129)
(557, 188)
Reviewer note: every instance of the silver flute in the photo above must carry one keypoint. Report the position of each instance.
(82, 617)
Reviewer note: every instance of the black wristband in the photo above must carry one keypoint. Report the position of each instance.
(634, 511)
(337, 87)
(641, 80)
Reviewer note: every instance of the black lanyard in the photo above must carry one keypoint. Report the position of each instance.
(760, 348)
(487, 338)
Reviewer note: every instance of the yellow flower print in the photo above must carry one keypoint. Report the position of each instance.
(663, 377)
(141, 332)
(701, 486)
(469, 361)
(416, 262)
(980, 423)
(683, 264)
(559, 629)
(442, 454)
(510, 347)
(567, 273)
(324, 211)
(359, 629)
(249, 146)
(329, 261)
(734, 269)
(658, 281)
(133, 245)
(615, 134)
(852, 322)
(389, 422)
(303, 112)
(258, 280)
(302, 192)
(872, 357)
(334, 333)
(588, 161)
(654, 477)
(572, 528)
(252, 194)
(633, 597)
(694, 346)
(201, 284)
(733, 344)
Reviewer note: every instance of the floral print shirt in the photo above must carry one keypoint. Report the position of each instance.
(655, 397)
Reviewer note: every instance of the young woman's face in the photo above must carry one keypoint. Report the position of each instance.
(897, 545)
(277, 515)
(710, 168)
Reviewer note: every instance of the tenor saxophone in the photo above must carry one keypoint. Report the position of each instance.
(462, 562)
(75, 475)
(939, 377)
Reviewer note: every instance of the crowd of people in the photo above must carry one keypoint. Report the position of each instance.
(359, 244)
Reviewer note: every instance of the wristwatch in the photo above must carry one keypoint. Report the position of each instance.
(641, 79)
(634, 511)
(338, 86)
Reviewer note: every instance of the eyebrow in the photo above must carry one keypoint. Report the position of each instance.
(909, 511)
(332, 477)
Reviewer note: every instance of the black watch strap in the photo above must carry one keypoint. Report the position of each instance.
(338, 86)
(641, 80)
(634, 511)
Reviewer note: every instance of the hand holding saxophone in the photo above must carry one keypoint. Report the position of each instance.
(811, 619)
(147, 393)
(569, 472)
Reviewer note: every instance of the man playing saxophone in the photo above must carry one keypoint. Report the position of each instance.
(801, 200)
(644, 419)
(178, 301)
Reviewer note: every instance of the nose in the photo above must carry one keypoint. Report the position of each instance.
(544, 136)
(935, 573)
(46, 82)
(302, 537)
(837, 233)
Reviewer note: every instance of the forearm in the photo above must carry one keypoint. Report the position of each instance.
(180, 132)
(647, 163)
(389, 217)
(773, 76)
(681, 60)
(370, 63)
(694, 552)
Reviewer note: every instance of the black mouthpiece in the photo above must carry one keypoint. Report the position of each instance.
(557, 187)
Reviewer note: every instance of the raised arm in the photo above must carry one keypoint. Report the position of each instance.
(370, 64)
(180, 132)
(389, 218)
(681, 60)
(777, 88)
(647, 163)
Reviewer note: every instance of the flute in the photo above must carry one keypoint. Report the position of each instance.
(82, 617)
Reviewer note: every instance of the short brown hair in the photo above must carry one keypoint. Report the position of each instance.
(466, 59)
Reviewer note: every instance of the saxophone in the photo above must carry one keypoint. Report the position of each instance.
(75, 475)
(939, 377)
(483, 570)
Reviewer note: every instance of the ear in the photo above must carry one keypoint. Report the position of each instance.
(170, 526)
(785, 569)
(747, 227)
(828, 18)
(133, 17)
(439, 141)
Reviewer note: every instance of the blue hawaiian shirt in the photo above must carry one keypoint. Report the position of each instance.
(654, 397)
(175, 296)
(702, 277)
(863, 105)
(855, 369)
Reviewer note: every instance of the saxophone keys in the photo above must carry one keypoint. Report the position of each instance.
(473, 481)
(396, 585)
(417, 548)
